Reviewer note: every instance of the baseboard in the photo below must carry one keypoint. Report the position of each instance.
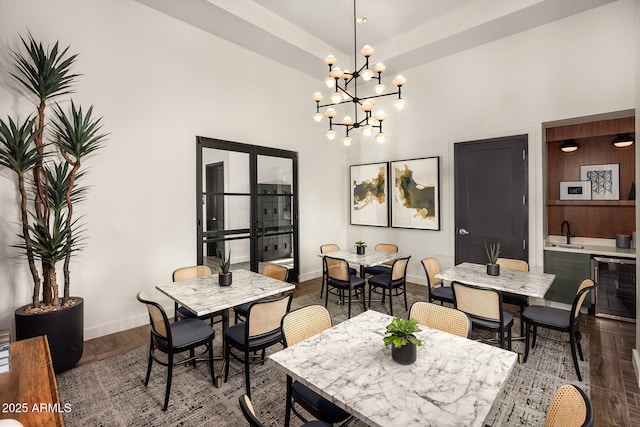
(636, 364)
(117, 326)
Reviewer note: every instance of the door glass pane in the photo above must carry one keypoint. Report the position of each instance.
(274, 211)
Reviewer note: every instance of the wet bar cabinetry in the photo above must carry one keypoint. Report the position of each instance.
(590, 218)
(570, 270)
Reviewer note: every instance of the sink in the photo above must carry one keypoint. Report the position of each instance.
(568, 245)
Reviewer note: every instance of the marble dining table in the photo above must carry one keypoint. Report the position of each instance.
(369, 259)
(454, 381)
(526, 283)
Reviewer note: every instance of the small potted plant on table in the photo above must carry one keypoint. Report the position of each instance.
(404, 344)
(493, 252)
(360, 245)
(224, 277)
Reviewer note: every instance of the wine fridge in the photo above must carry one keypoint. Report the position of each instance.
(615, 288)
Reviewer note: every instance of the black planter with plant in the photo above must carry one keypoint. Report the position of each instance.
(493, 252)
(360, 247)
(225, 276)
(404, 344)
(47, 174)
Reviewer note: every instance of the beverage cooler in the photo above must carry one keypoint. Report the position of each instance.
(615, 295)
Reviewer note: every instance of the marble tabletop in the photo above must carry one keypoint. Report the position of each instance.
(203, 295)
(454, 381)
(369, 259)
(514, 281)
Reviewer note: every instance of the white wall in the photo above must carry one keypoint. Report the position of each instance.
(574, 67)
(158, 83)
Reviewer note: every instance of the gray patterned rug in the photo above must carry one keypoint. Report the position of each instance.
(111, 392)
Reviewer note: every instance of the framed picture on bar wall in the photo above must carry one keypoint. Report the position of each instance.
(369, 194)
(605, 180)
(415, 193)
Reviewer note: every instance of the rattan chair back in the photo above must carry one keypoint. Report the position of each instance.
(304, 322)
(276, 271)
(265, 316)
(399, 268)
(479, 302)
(157, 316)
(330, 247)
(386, 247)
(337, 269)
(431, 268)
(248, 411)
(192, 272)
(513, 264)
(570, 407)
(581, 294)
(440, 317)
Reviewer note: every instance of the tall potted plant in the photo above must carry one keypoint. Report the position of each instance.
(48, 169)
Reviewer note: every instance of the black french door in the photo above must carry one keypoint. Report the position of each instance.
(247, 205)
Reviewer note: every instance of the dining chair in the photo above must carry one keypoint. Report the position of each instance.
(484, 308)
(557, 319)
(570, 407)
(338, 277)
(395, 279)
(260, 331)
(299, 325)
(172, 339)
(275, 271)
(443, 318)
(382, 268)
(521, 301)
(326, 249)
(187, 273)
(250, 415)
(435, 287)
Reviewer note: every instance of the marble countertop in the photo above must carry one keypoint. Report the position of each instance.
(605, 247)
(204, 295)
(455, 381)
(527, 283)
(370, 258)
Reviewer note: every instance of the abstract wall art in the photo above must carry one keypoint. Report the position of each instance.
(605, 180)
(415, 193)
(369, 195)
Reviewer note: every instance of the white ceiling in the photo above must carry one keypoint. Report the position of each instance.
(405, 33)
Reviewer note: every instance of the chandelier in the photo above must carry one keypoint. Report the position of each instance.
(345, 85)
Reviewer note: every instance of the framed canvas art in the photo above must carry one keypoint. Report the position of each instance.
(605, 180)
(369, 194)
(415, 193)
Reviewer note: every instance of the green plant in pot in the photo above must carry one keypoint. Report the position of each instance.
(224, 276)
(46, 153)
(493, 252)
(360, 245)
(404, 344)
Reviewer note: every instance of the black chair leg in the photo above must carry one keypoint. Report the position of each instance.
(364, 302)
(578, 340)
(575, 356)
(391, 300)
(212, 371)
(247, 381)
(228, 361)
(146, 381)
(287, 416)
(349, 311)
(526, 342)
(535, 334)
(169, 375)
(404, 291)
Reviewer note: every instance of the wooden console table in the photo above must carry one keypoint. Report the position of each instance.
(29, 393)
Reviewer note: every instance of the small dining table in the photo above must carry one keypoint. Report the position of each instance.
(526, 283)
(203, 295)
(369, 259)
(454, 380)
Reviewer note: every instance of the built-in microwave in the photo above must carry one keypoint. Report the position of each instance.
(615, 293)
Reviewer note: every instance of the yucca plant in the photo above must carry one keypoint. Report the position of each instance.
(48, 168)
(493, 252)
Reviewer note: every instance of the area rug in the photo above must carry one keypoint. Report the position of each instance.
(111, 392)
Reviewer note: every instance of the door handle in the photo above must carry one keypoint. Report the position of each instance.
(463, 232)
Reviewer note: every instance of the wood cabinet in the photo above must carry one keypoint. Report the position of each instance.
(590, 218)
(570, 270)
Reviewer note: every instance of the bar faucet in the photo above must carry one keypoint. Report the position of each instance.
(569, 235)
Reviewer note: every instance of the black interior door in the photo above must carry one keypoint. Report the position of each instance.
(214, 186)
(491, 198)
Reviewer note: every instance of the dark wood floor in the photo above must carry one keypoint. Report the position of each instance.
(614, 391)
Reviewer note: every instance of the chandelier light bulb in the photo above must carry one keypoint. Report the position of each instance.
(330, 113)
(381, 137)
(399, 80)
(331, 134)
(367, 130)
(336, 73)
(379, 67)
(346, 74)
(347, 120)
(379, 88)
(366, 74)
(347, 141)
(329, 82)
(336, 97)
(361, 21)
(317, 117)
(367, 106)
(317, 96)
(399, 103)
(366, 51)
(330, 60)
(380, 115)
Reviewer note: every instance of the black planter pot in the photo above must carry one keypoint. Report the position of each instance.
(64, 330)
(360, 250)
(404, 355)
(493, 269)
(224, 279)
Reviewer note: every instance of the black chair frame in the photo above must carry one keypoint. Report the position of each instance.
(356, 284)
(385, 283)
